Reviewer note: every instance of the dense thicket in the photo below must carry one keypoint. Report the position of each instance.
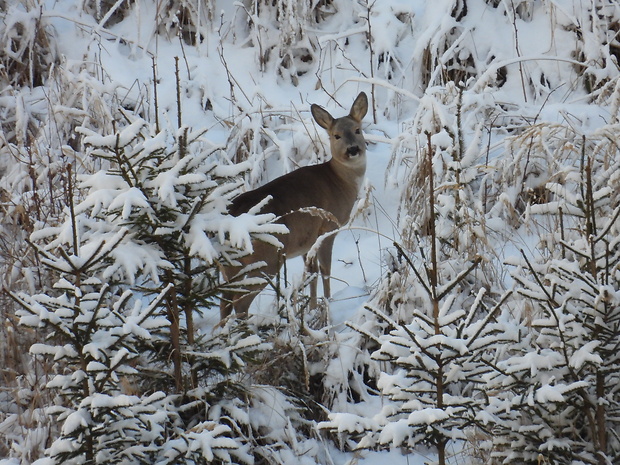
(487, 245)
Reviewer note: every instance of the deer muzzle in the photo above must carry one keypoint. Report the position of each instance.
(353, 151)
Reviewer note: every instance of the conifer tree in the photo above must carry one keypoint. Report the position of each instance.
(557, 392)
(442, 318)
(93, 331)
(136, 261)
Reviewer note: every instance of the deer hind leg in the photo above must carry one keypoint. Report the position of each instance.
(240, 300)
(226, 304)
(232, 299)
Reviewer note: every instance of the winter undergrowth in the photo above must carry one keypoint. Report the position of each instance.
(475, 317)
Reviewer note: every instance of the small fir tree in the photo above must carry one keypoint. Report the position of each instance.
(557, 391)
(93, 331)
(441, 325)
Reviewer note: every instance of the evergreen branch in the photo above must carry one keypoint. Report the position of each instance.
(552, 305)
(541, 286)
(424, 318)
(363, 332)
(47, 258)
(472, 311)
(121, 161)
(94, 259)
(394, 324)
(413, 268)
(119, 304)
(609, 225)
(59, 327)
(488, 318)
(583, 277)
(102, 294)
(462, 275)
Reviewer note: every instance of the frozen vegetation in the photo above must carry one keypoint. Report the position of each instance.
(475, 316)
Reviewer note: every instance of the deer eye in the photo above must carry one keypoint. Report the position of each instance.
(336, 136)
(357, 131)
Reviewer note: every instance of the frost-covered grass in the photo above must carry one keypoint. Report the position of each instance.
(474, 316)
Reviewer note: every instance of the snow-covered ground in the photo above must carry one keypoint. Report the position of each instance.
(512, 96)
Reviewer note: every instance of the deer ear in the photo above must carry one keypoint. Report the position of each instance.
(359, 107)
(322, 116)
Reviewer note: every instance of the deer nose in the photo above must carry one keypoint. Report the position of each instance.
(353, 151)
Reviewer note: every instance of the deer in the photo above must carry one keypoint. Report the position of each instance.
(311, 202)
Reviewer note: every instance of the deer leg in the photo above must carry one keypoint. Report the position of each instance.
(324, 257)
(242, 299)
(226, 306)
(313, 269)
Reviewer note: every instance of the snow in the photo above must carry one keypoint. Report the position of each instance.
(75, 421)
(517, 98)
(114, 141)
(393, 457)
(585, 354)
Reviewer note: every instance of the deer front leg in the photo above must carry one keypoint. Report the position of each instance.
(324, 257)
(312, 268)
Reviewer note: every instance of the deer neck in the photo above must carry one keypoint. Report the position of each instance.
(351, 172)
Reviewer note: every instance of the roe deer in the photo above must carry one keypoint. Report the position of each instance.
(309, 201)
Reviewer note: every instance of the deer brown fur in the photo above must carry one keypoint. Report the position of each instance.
(310, 202)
